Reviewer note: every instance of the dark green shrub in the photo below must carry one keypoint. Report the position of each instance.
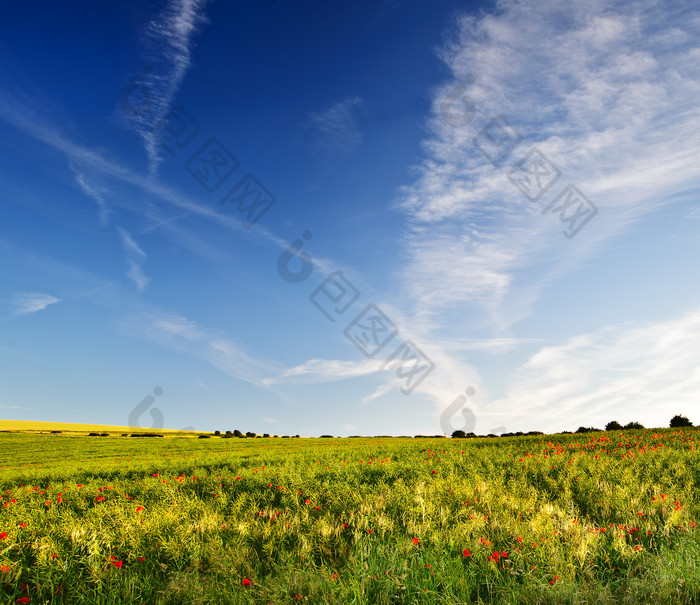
(679, 421)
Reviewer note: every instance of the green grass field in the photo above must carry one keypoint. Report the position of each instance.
(595, 518)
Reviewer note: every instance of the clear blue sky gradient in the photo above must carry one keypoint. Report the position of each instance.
(509, 191)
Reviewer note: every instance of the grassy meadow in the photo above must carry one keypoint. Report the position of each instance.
(606, 517)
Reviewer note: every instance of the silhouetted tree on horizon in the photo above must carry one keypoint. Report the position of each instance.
(586, 429)
(679, 421)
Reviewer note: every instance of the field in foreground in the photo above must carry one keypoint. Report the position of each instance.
(594, 518)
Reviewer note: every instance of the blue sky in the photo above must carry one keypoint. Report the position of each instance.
(393, 217)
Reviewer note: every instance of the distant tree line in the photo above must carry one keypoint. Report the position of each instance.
(249, 435)
(677, 421)
(463, 435)
(614, 425)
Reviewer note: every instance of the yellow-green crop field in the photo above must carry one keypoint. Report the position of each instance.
(584, 518)
(33, 426)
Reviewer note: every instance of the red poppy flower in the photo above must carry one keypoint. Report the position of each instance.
(416, 540)
(139, 509)
(3, 535)
(23, 600)
(117, 564)
(466, 553)
(246, 582)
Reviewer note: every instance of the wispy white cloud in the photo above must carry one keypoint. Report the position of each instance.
(168, 43)
(643, 372)
(96, 193)
(188, 337)
(607, 93)
(324, 370)
(135, 257)
(99, 166)
(31, 302)
(335, 128)
(170, 330)
(380, 391)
